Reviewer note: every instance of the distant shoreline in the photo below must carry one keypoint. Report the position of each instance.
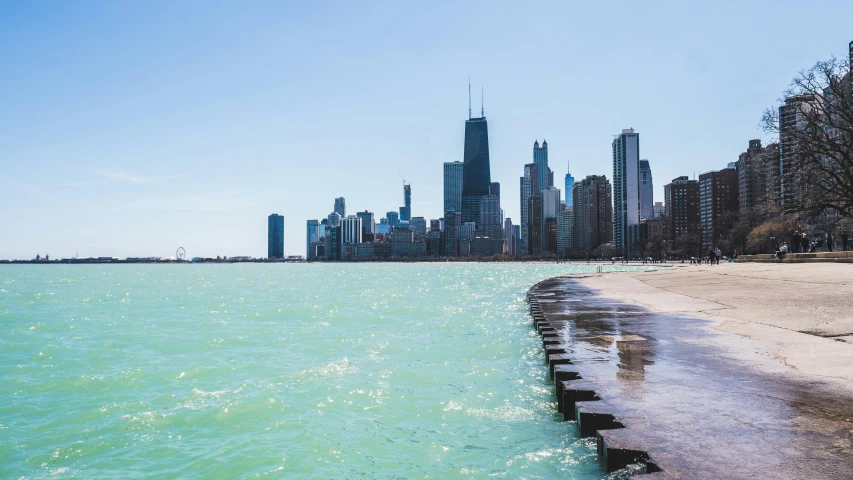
(265, 261)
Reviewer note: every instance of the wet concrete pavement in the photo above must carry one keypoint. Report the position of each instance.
(665, 390)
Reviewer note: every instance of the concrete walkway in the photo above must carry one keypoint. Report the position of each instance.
(803, 313)
(729, 371)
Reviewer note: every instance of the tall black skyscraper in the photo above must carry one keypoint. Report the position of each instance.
(406, 209)
(476, 173)
(275, 236)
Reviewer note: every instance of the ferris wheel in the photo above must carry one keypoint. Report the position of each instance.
(181, 254)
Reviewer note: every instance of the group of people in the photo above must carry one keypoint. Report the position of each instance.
(713, 258)
(800, 242)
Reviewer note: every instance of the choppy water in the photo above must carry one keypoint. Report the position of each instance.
(278, 371)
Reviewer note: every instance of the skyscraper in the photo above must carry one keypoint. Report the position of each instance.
(334, 219)
(791, 123)
(495, 189)
(529, 187)
(340, 207)
(508, 239)
(570, 186)
(682, 206)
(565, 226)
(312, 235)
(351, 230)
(368, 225)
(453, 186)
(450, 236)
(752, 182)
(476, 172)
(393, 218)
(647, 193)
(275, 236)
(489, 224)
(540, 159)
(593, 209)
(534, 224)
(718, 198)
(406, 209)
(626, 196)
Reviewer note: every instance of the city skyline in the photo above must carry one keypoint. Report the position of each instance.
(138, 154)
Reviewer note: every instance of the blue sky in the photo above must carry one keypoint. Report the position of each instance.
(132, 128)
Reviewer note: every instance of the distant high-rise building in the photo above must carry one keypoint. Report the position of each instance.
(791, 123)
(333, 243)
(551, 202)
(565, 226)
(529, 187)
(718, 200)
(476, 172)
(340, 207)
(626, 196)
(312, 235)
(490, 222)
(495, 189)
(682, 206)
(516, 234)
(593, 209)
(450, 237)
(275, 236)
(508, 236)
(393, 218)
(406, 209)
(752, 182)
(466, 230)
(540, 159)
(570, 186)
(419, 229)
(535, 225)
(435, 225)
(368, 225)
(334, 219)
(351, 229)
(657, 210)
(647, 191)
(453, 186)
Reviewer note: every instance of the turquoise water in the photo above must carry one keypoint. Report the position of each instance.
(279, 371)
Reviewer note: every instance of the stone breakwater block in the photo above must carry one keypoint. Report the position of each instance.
(555, 350)
(542, 325)
(552, 341)
(591, 418)
(566, 372)
(616, 454)
(562, 385)
(574, 394)
(558, 359)
(548, 331)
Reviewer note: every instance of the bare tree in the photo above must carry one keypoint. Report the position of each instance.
(814, 125)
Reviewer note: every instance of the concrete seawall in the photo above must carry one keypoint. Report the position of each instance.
(674, 398)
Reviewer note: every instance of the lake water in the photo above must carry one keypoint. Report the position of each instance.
(279, 371)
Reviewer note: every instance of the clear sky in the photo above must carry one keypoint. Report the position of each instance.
(133, 128)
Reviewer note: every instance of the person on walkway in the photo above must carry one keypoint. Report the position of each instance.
(711, 256)
(829, 240)
(804, 243)
(780, 254)
(717, 254)
(795, 241)
(844, 239)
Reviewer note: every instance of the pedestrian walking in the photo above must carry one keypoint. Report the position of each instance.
(828, 242)
(717, 254)
(844, 239)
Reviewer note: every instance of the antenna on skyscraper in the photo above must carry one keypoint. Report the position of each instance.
(469, 97)
(482, 110)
